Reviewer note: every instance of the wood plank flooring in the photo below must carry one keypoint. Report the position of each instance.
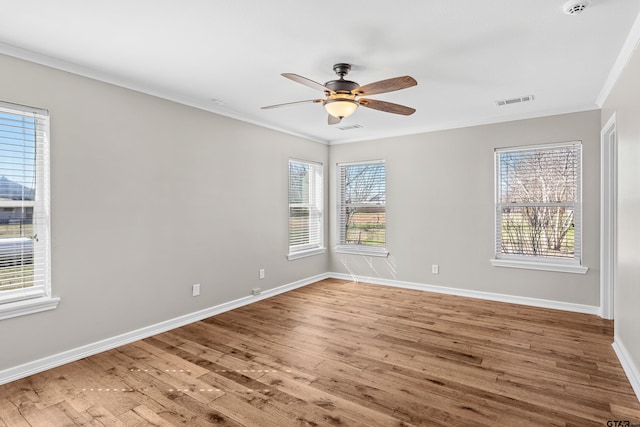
(338, 353)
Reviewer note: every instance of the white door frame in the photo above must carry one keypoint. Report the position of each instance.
(608, 217)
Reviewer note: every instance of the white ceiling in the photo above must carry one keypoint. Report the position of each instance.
(465, 55)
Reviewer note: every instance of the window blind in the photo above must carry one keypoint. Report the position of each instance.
(361, 207)
(538, 206)
(24, 216)
(305, 206)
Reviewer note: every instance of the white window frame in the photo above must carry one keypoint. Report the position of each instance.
(565, 265)
(355, 249)
(38, 298)
(315, 204)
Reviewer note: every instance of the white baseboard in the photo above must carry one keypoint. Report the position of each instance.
(535, 302)
(632, 371)
(72, 355)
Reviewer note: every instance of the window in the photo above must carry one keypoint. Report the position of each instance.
(305, 209)
(24, 211)
(361, 208)
(538, 207)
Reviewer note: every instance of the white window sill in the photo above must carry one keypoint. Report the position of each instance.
(546, 266)
(362, 250)
(304, 254)
(27, 306)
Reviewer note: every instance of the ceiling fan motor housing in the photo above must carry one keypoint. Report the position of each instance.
(341, 86)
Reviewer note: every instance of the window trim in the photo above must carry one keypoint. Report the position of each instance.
(306, 253)
(29, 301)
(28, 306)
(303, 251)
(362, 250)
(539, 265)
(365, 250)
(574, 265)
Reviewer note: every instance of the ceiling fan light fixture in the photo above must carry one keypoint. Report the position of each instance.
(340, 108)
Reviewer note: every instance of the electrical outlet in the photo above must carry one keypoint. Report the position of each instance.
(256, 291)
(261, 274)
(435, 269)
(195, 290)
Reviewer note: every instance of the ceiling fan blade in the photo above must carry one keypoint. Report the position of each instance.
(307, 82)
(286, 104)
(387, 107)
(388, 85)
(333, 120)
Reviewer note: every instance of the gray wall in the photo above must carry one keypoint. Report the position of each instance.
(148, 198)
(440, 208)
(624, 100)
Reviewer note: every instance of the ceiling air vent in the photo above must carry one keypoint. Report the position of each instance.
(510, 101)
(350, 127)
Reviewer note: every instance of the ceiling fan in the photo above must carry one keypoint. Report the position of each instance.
(343, 96)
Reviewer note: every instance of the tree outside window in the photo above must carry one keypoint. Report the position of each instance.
(538, 202)
(362, 210)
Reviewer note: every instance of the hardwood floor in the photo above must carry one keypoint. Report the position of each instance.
(338, 353)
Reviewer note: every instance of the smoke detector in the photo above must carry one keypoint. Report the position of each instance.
(573, 7)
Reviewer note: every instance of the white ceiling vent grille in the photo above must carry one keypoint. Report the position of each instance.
(518, 100)
(350, 127)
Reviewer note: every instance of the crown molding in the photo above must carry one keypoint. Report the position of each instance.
(627, 51)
